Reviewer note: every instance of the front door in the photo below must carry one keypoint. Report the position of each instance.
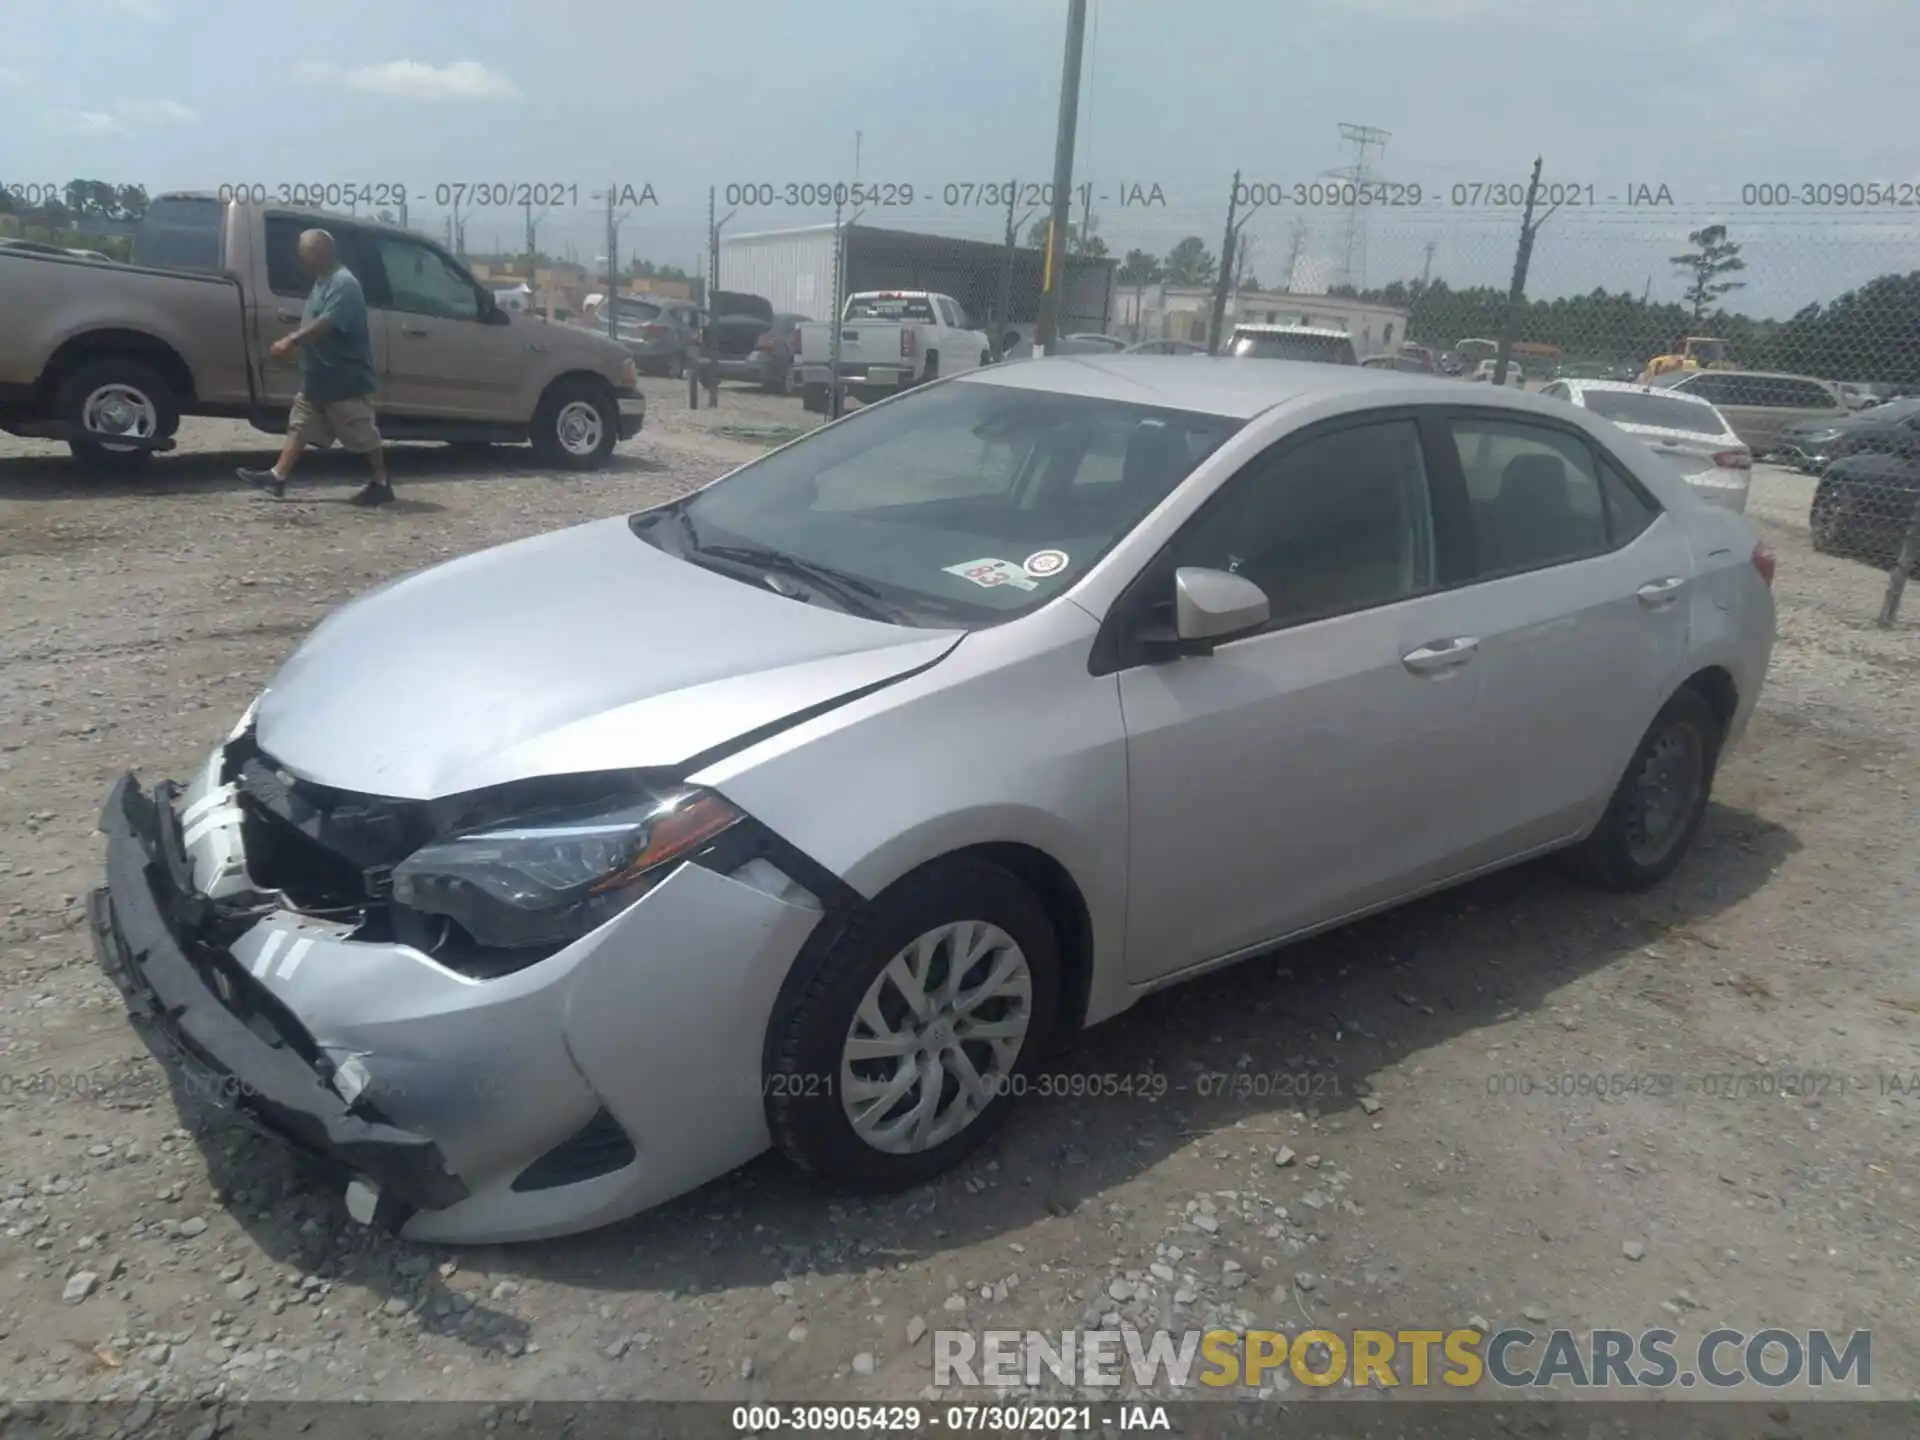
(1580, 602)
(444, 359)
(1328, 762)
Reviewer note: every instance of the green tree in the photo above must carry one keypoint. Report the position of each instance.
(1713, 255)
(1139, 268)
(1191, 263)
(1092, 246)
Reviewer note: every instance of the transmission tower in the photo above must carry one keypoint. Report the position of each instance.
(1366, 143)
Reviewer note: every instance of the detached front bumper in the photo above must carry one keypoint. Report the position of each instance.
(615, 1073)
(208, 1051)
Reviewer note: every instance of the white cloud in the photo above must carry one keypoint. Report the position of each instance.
(127, 118)
(139, 9)
(156, 112)
(415, 79)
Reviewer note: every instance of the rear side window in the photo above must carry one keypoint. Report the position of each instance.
(1629, 407)
(1533, 492)
(181, 234)
(1322, 349)
(1805, 395)
(1628, 511)
(891, 307)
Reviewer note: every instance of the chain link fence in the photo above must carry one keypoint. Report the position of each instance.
(1773, 332)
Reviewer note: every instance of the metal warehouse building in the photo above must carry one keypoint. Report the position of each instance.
(793, 270)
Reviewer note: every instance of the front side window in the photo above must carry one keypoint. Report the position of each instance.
(962, 504)
(421, 281)
(1533, 494)
(1335, 523)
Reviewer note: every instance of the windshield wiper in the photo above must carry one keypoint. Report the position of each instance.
(849, 591)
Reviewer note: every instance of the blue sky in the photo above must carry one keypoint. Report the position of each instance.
(1701, 96)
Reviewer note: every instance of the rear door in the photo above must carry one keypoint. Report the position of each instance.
(444, 360)
(277, 312)
(1581, 615)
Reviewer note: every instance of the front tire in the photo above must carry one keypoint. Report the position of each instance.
(576, 426)
(903, 1048)
(116, 395)
(1657, 807)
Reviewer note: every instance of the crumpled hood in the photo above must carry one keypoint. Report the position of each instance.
(584, 649)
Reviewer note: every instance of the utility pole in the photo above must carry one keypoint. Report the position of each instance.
(533, 258)
(836, 397)
(1049, 328)
(1086, 215)
(1229, 252)
(856, 157)
(1295, 241)
(403, 214)
(1426, 270)
(1003, 319)
(1523, 256)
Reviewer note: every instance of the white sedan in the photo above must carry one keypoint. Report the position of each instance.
(1684, 430)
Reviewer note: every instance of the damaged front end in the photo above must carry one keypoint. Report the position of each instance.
(462, 1003)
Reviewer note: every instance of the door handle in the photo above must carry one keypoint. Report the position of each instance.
(292, 317)
(1441, 655)
(1658, 594)
(417, 332)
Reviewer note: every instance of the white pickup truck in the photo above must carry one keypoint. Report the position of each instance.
(889, 340)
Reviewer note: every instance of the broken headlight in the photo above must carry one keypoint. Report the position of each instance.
(549, 878)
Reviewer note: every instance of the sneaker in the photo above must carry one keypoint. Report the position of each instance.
(372, 494)
(264, 480)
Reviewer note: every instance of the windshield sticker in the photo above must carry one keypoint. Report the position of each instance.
(989, 573)
(1043, 563)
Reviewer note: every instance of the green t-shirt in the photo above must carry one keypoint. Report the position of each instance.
(338, 363)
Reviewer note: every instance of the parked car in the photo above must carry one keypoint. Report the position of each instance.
(1865, 503)
(1292, 342)
(1017, 343)
(1421, 355)
(1166, 347)
(1093, 340)
(1407, 364)
(1811, 445)
(1685, 431)
(531, 890)
(1516, 376)
(662, 334)
(1450, 363)
(889, 340)
(750, 341)
(108, 358)
(1760, 405)
(1862, 394)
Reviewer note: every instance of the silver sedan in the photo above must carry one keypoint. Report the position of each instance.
(810, 810)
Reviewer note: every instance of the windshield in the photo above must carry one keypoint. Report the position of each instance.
(1629, 407)
(891, 307)
(963, 504)
(1326, 349)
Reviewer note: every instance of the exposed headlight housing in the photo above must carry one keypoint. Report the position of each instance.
(549, 877)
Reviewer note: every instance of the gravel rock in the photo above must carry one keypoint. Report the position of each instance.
(79, 1286)
(1634, 1250)
(863, 1363)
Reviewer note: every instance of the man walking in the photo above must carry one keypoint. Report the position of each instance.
(337, 378)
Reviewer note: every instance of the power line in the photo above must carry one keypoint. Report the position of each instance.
(1353, 248)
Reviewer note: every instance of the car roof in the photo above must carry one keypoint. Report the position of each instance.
(1748, 374)
(1321, 331)
(1213, 384)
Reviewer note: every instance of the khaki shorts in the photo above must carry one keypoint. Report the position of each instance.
(350, 422)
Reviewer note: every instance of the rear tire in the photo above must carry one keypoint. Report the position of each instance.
(116, 394)
(1826, 520)
(575, 426)
(808, 1060)
(1658, 805)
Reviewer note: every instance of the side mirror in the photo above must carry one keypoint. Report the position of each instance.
(1214, 605)
(1209, 607)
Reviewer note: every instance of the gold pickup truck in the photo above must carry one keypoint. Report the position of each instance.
(109, 357)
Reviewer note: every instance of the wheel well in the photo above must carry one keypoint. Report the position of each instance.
(98, 344)
(1717, 686)
(599, 382)
(1065, 907)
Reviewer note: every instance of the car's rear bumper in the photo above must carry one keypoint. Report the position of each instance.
(633, 412)
(207, 1050)
(874, 377)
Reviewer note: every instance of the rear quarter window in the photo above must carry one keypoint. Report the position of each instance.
(181, 233)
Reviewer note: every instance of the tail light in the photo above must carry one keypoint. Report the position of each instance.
(1763, 562)
(794, 344)
(656, 332)
(1734, 459)
(765, 342)
(909, 343)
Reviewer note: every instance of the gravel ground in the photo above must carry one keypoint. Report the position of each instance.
(146, 1254)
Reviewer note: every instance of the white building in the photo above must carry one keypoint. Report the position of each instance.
(1182, 312)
